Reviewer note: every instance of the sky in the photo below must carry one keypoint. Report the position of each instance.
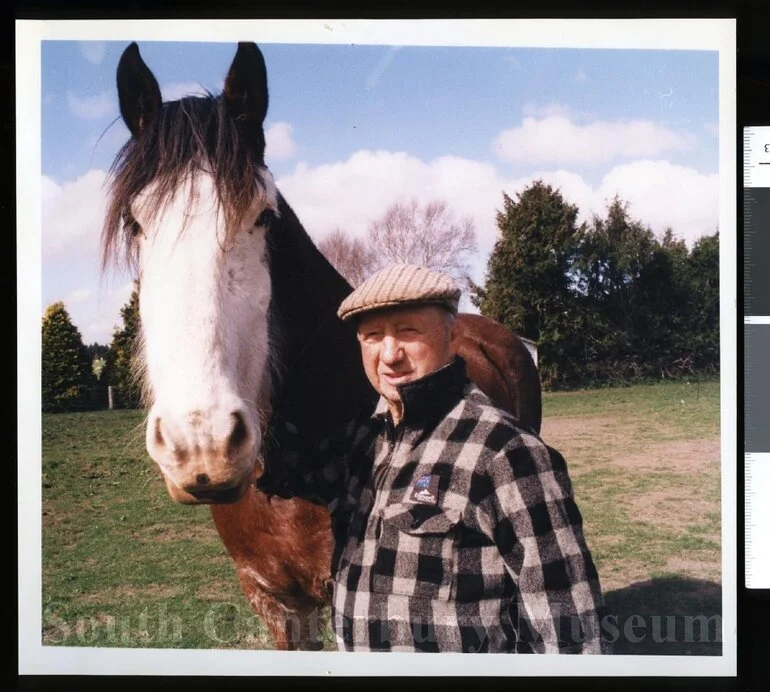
(351, 129)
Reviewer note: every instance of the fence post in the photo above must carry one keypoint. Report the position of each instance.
(110, 401)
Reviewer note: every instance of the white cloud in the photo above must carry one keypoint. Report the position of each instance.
(660, 195)
(73, 214)
(280, 145)
(50, 193)
(580, 76)
(98, 314)
(663, 194)
(93, 51)
(556, 139)
(79, 295)
(92, 107)
(177, 90)
(351, 194)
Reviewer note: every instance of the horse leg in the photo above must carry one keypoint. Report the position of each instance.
(310, 630)
(282, 554)
(291, 626)
(274, 614)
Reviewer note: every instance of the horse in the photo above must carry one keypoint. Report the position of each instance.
(238, 327)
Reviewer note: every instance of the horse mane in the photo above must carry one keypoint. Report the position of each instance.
(186, 136)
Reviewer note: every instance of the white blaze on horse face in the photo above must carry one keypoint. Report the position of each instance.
(204, 302)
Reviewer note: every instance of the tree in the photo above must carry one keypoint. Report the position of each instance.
(529, 284)
(66, 366)
(622, 272)
(122, 362)
(703, 328)
(350, 257)
(429, 236)
(660, 305)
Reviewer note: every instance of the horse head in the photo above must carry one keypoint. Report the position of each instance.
(191, 203)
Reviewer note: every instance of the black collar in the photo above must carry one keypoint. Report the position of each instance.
(429, 399)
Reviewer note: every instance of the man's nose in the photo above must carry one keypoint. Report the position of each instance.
(391, 350)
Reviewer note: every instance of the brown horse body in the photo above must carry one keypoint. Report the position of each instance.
(281, 548)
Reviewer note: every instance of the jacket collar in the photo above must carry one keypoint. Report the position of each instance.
(429, 398)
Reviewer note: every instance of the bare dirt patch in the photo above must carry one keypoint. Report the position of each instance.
(677, 456)
(577, 432)
(672, 508)
(581, 440)
(701, 569)
(619, 440)
(618, 574)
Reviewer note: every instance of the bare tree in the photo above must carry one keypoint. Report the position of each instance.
(428, 236)
(351, 257)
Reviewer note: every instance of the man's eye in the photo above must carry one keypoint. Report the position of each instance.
(265, 218)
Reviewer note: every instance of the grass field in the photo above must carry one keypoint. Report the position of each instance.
(125, 566)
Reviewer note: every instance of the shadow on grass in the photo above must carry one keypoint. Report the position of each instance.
(670, 616)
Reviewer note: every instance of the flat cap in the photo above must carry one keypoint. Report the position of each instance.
(401, 284)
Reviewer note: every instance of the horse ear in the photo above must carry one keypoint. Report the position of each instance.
(138, 91)
(246, 85)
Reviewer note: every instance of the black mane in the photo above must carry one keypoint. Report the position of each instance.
(316, 355)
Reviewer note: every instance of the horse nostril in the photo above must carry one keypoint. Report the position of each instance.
(202, 479)
(159, 441)
(239, 434)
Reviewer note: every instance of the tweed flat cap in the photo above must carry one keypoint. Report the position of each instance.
(401, 284)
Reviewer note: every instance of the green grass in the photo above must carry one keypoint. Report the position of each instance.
(690, 408)
(125, 566)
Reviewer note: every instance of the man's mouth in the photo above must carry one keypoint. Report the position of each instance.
(396, 378)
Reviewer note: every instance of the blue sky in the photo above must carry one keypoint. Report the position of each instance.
(353, 128)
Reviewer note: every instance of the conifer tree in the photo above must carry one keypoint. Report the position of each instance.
(529, 282)
(66, 366)
(122, 355)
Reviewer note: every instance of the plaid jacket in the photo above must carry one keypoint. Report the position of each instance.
(454, 531)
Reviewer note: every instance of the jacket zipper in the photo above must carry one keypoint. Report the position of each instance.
(385, 466)
(398, 434)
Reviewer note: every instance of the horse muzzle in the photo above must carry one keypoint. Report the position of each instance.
(195, 494)
(205, 458)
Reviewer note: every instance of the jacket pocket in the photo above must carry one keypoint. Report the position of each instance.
(416, 551)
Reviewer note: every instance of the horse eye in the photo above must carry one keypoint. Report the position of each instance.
(131, 226)
(265, 218)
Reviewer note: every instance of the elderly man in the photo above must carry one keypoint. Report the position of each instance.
(455, 529)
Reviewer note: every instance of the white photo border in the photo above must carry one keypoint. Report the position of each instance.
(666, 34)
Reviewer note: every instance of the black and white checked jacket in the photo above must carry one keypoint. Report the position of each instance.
(455, 530)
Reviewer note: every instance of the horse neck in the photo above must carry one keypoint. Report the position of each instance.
(320, 382)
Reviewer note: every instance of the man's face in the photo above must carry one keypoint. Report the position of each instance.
(400, 345)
